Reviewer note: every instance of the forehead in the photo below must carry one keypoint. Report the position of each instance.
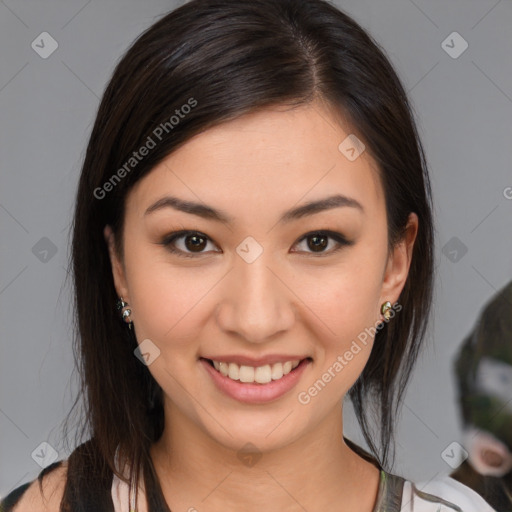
(267, 158)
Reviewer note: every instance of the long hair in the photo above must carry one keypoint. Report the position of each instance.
(224, 59)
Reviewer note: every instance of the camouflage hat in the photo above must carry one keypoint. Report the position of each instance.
(484, 369)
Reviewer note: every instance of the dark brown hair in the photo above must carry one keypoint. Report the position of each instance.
(234, 57)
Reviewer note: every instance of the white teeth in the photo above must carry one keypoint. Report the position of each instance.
(224, 368)
(277, 371)
(234, 371)
(246, 374)
(261, 374)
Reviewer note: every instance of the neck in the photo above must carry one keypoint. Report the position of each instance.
(308, 473)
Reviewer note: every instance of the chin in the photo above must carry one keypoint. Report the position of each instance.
(265, 436)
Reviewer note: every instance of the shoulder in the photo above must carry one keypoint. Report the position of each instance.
(443, 494)
(28, 497)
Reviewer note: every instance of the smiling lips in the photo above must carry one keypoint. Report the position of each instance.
(255, 381)
(255, 370)
(260, 374)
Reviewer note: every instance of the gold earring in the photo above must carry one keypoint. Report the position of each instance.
(385, 309)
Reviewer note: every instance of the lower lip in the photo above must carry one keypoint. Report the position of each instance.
(256, 393)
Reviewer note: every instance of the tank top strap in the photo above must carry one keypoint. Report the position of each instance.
(89, 481)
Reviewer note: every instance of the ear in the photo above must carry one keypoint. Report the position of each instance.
(117, 266)
(399, 261)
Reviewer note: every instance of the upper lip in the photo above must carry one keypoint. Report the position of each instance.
(256, 361)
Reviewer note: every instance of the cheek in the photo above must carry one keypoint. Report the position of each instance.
(166, 300)
(346, 297)
(346, 301)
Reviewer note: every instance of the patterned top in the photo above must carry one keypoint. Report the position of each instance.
(395, 494)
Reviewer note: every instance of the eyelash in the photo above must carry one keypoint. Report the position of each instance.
(172, 237)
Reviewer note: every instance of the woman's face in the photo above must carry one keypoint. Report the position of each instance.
(247, 285)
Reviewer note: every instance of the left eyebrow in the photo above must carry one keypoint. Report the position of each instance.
(207, 212)
(321, 205)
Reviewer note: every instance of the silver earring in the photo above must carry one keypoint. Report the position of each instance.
(125, 311)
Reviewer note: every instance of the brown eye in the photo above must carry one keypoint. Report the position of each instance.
(195, 242)
(318, 241)
(192, 243)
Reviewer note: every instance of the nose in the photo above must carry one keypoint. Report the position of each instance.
(256, 303)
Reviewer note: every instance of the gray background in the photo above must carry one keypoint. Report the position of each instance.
(47, 106)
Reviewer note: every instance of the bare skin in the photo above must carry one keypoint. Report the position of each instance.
(290, 300)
